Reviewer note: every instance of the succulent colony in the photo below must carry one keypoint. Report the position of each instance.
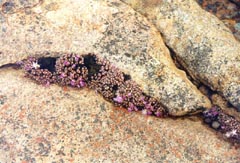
(226, 124)
(115, 86)
(95, 73)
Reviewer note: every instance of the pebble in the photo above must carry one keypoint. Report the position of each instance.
(215, 125)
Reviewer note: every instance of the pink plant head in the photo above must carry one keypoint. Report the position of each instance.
(118, 99)
(47, 84)
(74, 65)
(76, 58)
(71, 75)
(82, 83)
(66, 63)
(149, 112)
(213, 111)
(146, 112)
(148, 106)
(142, 98)
(19, 63)
(27, 68)
(129, 94)
(73, 83)
(135, 108)
(131, 107)
(158, 114)
(62, 75)
(31, 59)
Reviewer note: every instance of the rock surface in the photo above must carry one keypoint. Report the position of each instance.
(114, 31)
(39, 124)
(202, 43)
(225, 10)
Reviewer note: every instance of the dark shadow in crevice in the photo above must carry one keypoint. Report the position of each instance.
(47, 63)
(93, 67)
(126, 77)
(12, 65)
(181, 67)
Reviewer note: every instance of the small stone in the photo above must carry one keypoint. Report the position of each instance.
(8, 7)
(215, 124)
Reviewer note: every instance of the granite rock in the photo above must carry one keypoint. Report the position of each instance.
(54, 124)
(227, 11)
(203, 44)
(113, 31)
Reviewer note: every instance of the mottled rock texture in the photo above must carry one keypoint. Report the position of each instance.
(55, 124)
(202, 43)
(227, 11)
(110, 29)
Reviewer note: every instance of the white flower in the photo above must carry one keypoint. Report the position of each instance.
(35, 65)
(234, 132)
(231, 133)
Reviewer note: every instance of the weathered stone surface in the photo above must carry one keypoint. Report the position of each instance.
(13, 6)
(55, 124)
(203, 45)
(114, 31)
(227, 11)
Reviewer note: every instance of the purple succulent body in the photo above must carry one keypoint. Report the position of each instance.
(73, 83)
(89, 70)
(118, 99)
(66, 63)
(228, 125)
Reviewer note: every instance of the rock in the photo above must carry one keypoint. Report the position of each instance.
(215, 124)
(57, 124)
(13, 6)
(113, 31)
(220, 101)
(202, 43)
(225, 10)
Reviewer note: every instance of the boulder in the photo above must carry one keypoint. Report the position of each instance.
(110, 29)
(57, 124)
(202, 43)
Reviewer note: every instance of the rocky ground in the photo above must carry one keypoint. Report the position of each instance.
(54, 123)
(226, 10)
